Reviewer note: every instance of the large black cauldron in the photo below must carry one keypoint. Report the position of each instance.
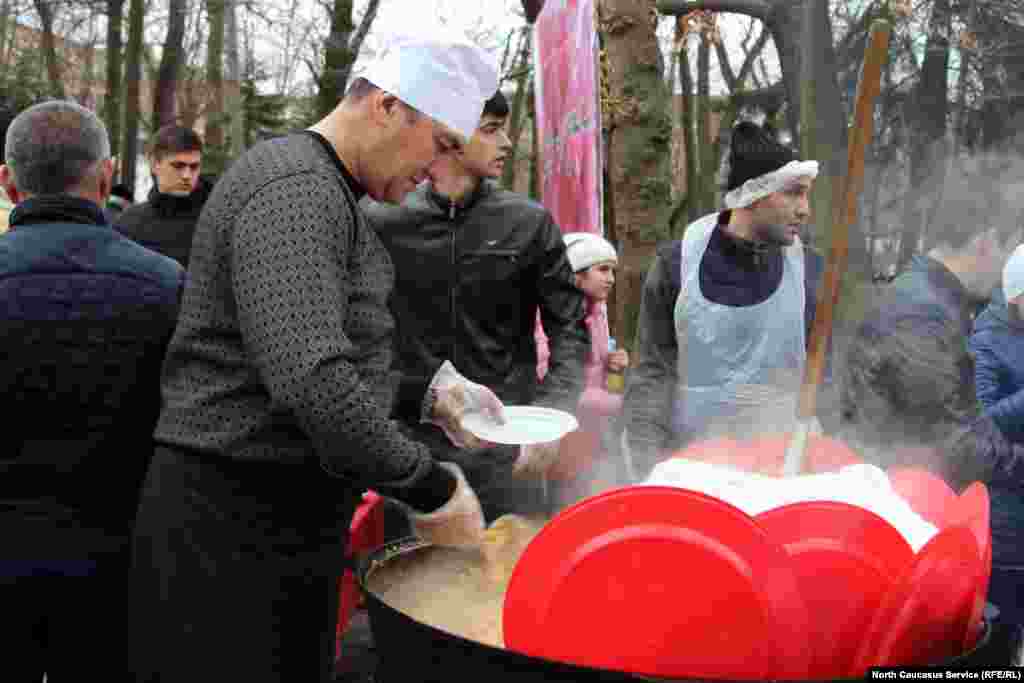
(409, 650)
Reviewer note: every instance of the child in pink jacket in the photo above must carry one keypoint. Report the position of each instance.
(593, 260)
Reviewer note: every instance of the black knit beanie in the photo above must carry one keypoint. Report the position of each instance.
(754, 152)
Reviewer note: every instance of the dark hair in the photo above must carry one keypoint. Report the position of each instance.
(358, 89)
(755, 151)
(361, 88)
(497, 106)
(123, 191)
(53, 147)
(174, 139)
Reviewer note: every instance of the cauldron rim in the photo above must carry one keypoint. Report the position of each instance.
(381, 556)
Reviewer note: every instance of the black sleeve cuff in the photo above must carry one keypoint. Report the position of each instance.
(433, 490)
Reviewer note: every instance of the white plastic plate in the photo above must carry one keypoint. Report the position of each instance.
(524, 425)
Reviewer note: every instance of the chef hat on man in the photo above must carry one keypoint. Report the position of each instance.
(1013, 274)
(446, 78)
(585, 249)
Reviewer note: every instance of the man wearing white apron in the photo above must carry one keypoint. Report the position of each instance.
(727, 311)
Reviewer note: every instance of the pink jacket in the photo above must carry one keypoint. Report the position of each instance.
(596, 402)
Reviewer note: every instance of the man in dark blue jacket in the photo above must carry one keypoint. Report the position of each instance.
(908, 392)
(85, 318)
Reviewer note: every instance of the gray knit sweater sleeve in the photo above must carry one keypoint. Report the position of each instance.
(294, 294)
(283, 349)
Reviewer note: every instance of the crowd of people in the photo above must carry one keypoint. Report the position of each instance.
(200, 387)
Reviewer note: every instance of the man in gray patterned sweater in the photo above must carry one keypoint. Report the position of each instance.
(278, 386)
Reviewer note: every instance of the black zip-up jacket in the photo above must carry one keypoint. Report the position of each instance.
(166, 223)
(469, 281)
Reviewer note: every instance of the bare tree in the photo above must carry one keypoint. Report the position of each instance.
(520, 73)
(171, 60)
(342, 48)
(132, 105)
(112, 101)
(45, 9)
(233, 96)
(636, 116)
(927, 113)
(215, 83)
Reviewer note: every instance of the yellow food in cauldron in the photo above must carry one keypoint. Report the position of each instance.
(458, 591)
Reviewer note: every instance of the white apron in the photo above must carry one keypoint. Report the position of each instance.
(740, 368)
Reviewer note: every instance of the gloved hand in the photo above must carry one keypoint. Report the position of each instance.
(457, 523)
(453, 397)
(536, 459)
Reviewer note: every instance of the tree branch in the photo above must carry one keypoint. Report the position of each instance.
(356, 42)
(724, 66)
(760, 9)
(752, 55)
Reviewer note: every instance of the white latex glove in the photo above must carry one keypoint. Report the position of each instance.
(536, 458)
(455, 396)
(457, 523)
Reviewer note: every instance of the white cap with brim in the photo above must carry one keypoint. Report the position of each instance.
(1013, 274)
(585, 249)
(445, 79)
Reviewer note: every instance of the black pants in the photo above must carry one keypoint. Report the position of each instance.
(237, 568)
(70, 628)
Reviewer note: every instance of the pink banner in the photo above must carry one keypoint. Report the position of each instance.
(569, 114)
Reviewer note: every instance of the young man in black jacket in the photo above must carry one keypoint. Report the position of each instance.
(166, 221)
(474, 264)
(85, 318)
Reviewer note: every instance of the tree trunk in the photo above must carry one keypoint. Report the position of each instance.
(704, 175)
(927, 113)
(686, 120)
(132, 80)
(85, 94)
(164, 110)
(640, 143)
(5, 24)
(515, 115)
(233, 93)
(338, 58)
(822, 129)
(49, 47)
(112, 102)
(214, 156)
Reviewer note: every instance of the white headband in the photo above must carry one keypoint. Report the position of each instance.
(764, 185)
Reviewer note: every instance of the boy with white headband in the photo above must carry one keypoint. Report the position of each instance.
(727, 311)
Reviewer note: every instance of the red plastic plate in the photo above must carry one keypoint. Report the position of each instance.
(972, 510)
(846, 558)
(659, 581)
(923, 619)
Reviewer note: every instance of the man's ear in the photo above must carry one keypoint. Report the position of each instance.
(7, 182)
(384, 107)
(105, 179)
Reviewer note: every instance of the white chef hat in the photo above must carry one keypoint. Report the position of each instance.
(584, 249)
(446, 78)
(1013, 274)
